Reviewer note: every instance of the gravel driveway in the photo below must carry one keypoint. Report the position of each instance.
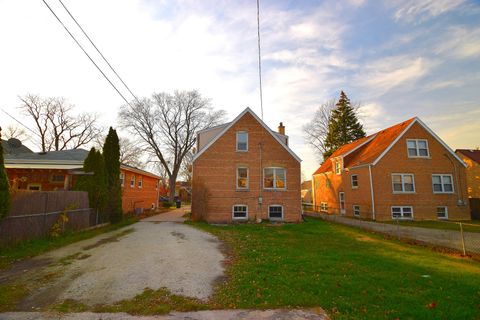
(121, 264)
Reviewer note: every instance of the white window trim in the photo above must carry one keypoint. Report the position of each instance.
(342, 211)
(274, 178)
(353, 207)
(446, 213)
(248, 179)
(418, 149)
(140, 182)
(339, 172)
(403, 183)
(236, 141)
(401, 207)
(324, 206)
(132, 181)
(351, 181)
(233, 210)
(122, 179)
(276, 219)
(441, 175)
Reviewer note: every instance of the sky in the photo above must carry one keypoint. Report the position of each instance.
(398, 59)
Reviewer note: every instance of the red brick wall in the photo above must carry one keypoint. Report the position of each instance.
(21, 178)
(214, 176)
(136, 197)
(424, 201)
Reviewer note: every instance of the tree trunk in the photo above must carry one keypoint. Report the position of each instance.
(172, 181)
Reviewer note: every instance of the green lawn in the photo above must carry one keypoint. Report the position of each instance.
(468, 226)
(35, 247)
(352, 274)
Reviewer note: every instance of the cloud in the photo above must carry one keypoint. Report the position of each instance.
(421, 10)
(459, 42)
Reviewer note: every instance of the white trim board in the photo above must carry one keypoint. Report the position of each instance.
(247, 110)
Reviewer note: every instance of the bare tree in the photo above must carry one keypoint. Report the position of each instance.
(57, 127)
(14, 132)
(131, 153)
(166, 124)
(186, 170)
(316, 130)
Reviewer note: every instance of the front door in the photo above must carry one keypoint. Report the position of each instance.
(341, 198)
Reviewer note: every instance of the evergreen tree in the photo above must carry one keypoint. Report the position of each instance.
(111, 153)
(344, 126)
(4, 187)
(94, 181)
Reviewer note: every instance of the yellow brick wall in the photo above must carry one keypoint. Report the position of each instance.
(473, 176)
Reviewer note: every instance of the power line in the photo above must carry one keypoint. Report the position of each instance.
(74, 39)
(8, 114)
(259, 57)
(103, 57)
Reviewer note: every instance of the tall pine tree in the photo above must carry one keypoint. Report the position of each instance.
(94, 181)
(111, 153)
(344, 126)
(4, 186)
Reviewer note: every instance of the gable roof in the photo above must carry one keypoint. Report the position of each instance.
(472, 154)
(230, 124)
(370, 150)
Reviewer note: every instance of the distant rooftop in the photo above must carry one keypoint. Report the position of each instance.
(14, 146)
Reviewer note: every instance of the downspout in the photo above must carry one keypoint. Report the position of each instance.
(372, 192)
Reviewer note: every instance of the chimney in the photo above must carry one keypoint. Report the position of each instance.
(281, 128)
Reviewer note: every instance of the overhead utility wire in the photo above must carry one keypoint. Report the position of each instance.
(259, 57)
(103, 57)
(74, 39)
(8, 114)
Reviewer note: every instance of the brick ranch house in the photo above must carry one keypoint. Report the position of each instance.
(244, 171)
(402, 172)
(58, 170)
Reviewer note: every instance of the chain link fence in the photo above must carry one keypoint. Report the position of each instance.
(448, 236)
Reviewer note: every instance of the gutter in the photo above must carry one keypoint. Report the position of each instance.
(372, 192)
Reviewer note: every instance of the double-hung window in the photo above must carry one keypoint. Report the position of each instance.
(132, 181)
(442, 183)
(140, 182)
(417, 148)
(356, 210)
(442, 212)
(242, 178)
(240, 212)
(242, 141)
(122, 179)
(275, 212)
(274, 178)
(404, 212)
(403, 183)
(338, 167)
(354, 181)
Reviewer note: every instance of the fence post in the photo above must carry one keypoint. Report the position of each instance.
(45, 232)
(463, 239)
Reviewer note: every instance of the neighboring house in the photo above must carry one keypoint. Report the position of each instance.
(402, 172)
(245, 171)
(59, 170)
(183, 191)
(14, 146)
(472, 159)
(307, 191)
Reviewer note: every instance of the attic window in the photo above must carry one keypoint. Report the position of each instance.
(242, 141)
(338, 168)
(417, 148)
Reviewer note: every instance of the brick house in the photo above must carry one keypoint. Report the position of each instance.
(402, 172)
(58, 170)
(245, 171)
(472, 159)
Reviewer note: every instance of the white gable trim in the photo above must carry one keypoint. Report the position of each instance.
(235, 121)
(417, 120)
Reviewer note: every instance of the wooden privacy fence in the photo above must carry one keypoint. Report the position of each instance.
(34, 213)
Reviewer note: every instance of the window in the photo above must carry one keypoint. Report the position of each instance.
(402, 212)
(140, 182)
(324, 206)
(354, 181)
(242, 141)
(356, 210)
(132, 181)
(274, 178)
(403, 183)
(442, 183)
(341, 199)
(338, 168)
(240, 212)
(242, 178)
(417, 148)
(122, 179)
(275, 212)
(34, 187)
(442, 212)
(58, 178)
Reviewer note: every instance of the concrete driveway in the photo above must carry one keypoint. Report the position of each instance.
(121, 264)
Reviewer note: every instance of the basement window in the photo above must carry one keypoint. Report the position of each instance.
(240, 212)
(275, 212)
(405, 212)
(356, 210)
(442, 212)
(324, 206)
